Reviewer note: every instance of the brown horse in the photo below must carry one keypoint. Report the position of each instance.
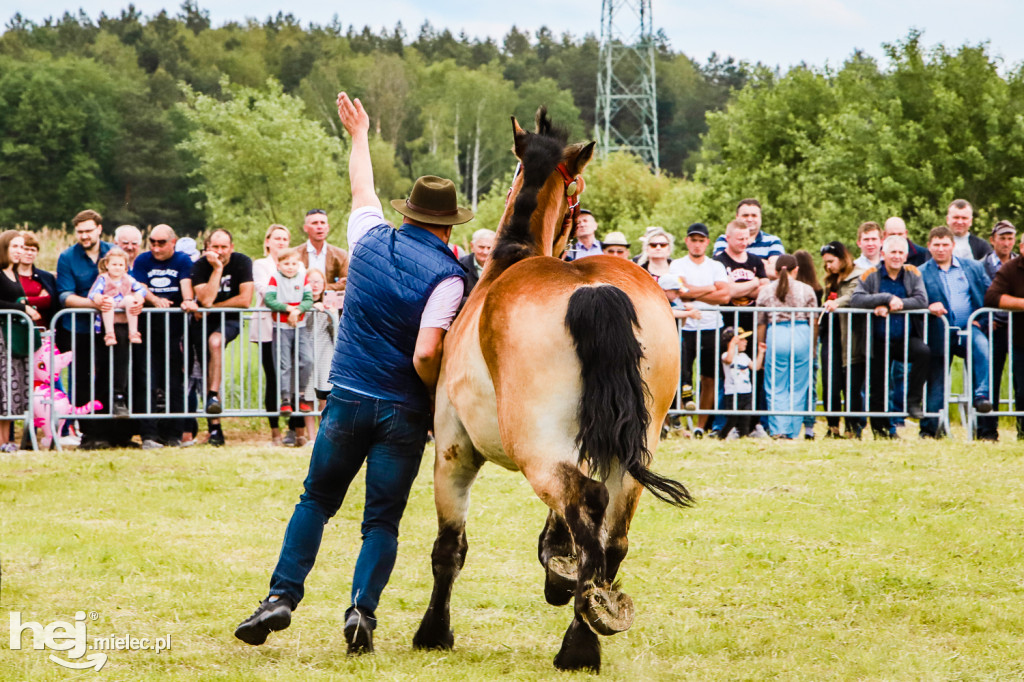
(563, 371)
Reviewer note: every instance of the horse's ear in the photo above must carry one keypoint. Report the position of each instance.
(542, 122)
(519, 139)
(580, 157)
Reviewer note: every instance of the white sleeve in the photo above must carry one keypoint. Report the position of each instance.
(443, 303)
(721, 274)
(361, 221)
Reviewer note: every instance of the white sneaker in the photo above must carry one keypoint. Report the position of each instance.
(70, 440)
(758, 432)
(733, 435)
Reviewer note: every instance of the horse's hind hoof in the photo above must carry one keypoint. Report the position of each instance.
(607, 610)
(560, 580)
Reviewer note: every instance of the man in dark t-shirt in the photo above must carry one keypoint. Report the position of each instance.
(168, 276)
(221, 279)
(746, 273)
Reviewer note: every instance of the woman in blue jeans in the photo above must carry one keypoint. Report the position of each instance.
(789, 337)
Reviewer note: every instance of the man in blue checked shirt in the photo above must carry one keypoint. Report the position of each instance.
(765, 246)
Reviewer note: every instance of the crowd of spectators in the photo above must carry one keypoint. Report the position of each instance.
(864, 360)
(168, 362)
(763, 358)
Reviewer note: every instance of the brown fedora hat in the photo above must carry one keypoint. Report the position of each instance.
(433, 201)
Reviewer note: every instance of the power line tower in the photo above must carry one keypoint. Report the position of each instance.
(627, 105)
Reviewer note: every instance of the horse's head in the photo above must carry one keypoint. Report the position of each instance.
(540, 214)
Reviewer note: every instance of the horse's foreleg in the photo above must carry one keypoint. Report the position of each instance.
(455, 468)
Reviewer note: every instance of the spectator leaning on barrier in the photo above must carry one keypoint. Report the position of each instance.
(956, 288)
(789, 339)
(765, 246)
(892, 288)
(167, 274)
(91, 370)
(959, 218)
(586, 243)
(317, 253)
(40, 286)
(480, 250)
(404, 290)
(869, 241)
(840, 282)
(705, 282)
(897, 227)
(128, 238)
(222, 278)
(1007, 292)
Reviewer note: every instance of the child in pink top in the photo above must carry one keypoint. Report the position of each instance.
(116, 290)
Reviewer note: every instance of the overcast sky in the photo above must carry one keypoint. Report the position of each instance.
(776, 32)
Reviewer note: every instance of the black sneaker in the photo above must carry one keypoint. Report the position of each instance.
(120, 407)
(982, 405)
(213, 405)
(358, 633)
(216, 438)
(271, 616)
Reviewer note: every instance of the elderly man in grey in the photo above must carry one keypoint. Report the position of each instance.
(128, 239)
(480, 250)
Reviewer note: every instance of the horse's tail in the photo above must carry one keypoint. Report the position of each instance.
(613, 415)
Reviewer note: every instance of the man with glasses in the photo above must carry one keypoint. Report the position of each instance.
(76, 272)
(167, 274)
(705, 282)
(318, 254)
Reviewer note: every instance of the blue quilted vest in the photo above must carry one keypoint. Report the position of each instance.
(390, 277)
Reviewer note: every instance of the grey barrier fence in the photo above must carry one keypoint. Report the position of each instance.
(170, 373)
(999, 328)
(19, 344)
(858, 348)
(175, 354)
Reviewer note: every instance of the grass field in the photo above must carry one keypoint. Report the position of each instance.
(801, 561)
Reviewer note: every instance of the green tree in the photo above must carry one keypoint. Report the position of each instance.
(260, 160)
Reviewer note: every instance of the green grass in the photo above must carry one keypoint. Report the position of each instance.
(823, 561)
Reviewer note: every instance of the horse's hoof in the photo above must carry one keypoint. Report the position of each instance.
(560, 580)
(428, 637)
(607, 610)
(581, 649)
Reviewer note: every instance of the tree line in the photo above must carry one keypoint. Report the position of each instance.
(167, 118)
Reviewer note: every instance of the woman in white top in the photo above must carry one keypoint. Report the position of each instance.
(276, 241)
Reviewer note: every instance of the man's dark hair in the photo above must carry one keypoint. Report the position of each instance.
(87, 214)
(747, 202)
(960, 203)
(231, 239)
(941, 232)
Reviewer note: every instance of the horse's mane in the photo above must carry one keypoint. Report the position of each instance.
(543, 152)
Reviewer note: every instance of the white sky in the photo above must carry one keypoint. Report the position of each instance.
(776, 32)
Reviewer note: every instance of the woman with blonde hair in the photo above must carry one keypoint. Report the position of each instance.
(657, 251)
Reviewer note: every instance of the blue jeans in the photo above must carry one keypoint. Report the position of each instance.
(390, 438)
(787, 375)
(937, 375)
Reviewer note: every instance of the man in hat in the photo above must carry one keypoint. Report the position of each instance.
(615, 244)
(404, 288)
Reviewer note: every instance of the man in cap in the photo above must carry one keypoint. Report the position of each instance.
(404, 288)
(1002, 239)
(615, 244)
(705, 282)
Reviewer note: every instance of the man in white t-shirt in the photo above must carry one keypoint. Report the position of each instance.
(706, 283)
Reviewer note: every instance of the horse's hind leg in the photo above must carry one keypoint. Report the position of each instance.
(558, 557)
(455, 468)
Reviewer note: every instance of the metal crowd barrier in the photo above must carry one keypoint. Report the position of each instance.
(999, 327)
(174, 355)
(858, 323)
(17, 332)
